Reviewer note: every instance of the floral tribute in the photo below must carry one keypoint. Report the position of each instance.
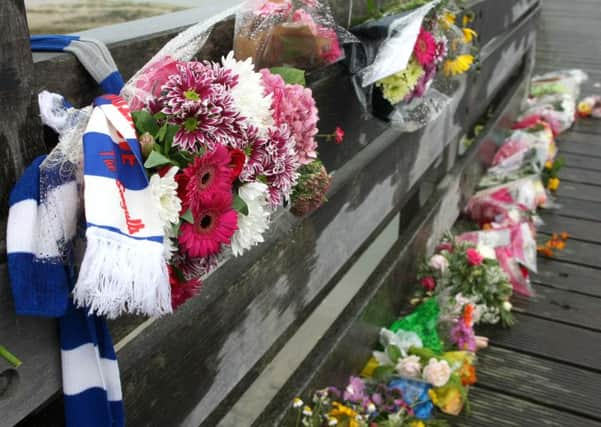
(426, 360)
(296, 33)
(225, 145)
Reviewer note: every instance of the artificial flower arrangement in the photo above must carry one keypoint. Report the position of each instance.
(225, 145)
(296, 33)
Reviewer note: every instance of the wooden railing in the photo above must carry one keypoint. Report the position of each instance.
(393, 195)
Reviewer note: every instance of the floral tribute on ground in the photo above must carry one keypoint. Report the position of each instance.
(426, 360)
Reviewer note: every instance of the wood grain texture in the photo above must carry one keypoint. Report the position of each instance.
(582, 161)
(581, 176)
(580, 253)
(540, 381)
(562, 275)
(580, 229)
(550, 340)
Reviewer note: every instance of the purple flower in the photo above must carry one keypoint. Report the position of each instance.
(355, 390)
(197, 98)
(464, 336)
(271, 159)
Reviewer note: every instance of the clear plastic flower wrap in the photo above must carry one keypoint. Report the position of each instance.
(294, 33)
(512, 245)
(509, 203)
(558, 82)
(558, 110)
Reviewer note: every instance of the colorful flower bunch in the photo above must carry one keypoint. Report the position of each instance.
(556, 243)
(460, 55)
(225, 145)
(460, 272)
(297, 33)
(412, 82)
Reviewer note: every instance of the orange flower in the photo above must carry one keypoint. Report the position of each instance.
(487, 226)
(468, 374)
(560, 245)
(565, 236)
(468, 314)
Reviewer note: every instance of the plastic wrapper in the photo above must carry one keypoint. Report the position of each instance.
(146, 83)
(389, 42)
(524, 152)
(509, 203)
(557, 110)
(558, 82)
(512, 246)
(295, 33)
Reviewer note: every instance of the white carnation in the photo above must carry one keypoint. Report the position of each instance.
(252, 226)
(409, 367)
(248, 95)
(164, 193)
(437, 372)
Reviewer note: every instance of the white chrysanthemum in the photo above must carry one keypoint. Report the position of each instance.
(164, 194)
(252, 226)
(169, 245)
(248, 94)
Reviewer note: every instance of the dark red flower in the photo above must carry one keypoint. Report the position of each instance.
(428, 283)
(181, 290)
(338, 135)
(237, 162)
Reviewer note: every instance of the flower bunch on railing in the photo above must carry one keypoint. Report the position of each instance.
(427, 359)
(225, 145)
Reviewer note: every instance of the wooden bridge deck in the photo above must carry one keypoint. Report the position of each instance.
(546, 370)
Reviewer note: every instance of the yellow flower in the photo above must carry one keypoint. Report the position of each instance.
(469, 35)
(467, 19)
(448, 399)
(417, 424)
(448, 19)
(548, 164)
(553, 184)
(585, 109)
(297, 402)
(344, 413)
(458, 65)
(369, 368)
(397, 86)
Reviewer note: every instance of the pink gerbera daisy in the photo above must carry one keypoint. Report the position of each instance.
(208, 173)
(214, 224)
(425, 48)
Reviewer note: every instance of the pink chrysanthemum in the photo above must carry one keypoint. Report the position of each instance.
(273, 160)
(294, 106)
(463, 336)
(425, 48)
(207, 174)
(182, 291)
(197, 98)
(214, 224)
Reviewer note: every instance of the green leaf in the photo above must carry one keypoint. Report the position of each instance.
(188, 217)
(240, 205)
(383, 373)
(169, 135)
(290, 75)
(394, 353)
(145, 122)
(161, 133)
(155, 160)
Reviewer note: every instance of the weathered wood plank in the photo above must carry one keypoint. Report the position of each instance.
(550, 340)
(580, 191)
(562, 306)
(582, 176)
(580, 143)
(581, 161)
(580, 253)
(540, 381)
(490, 409)
(575, 208)
(577, 228)
(570, 277)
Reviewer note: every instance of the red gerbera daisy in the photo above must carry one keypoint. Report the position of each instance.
(214, 224)
(425, 48)
(208, 173)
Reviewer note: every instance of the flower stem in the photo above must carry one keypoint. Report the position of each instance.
(10, 358)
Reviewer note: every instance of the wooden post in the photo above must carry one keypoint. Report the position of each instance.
(20, 126)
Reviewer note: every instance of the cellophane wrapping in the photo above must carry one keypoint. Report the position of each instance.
(293, 33)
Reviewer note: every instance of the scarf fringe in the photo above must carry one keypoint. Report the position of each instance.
(120, 275)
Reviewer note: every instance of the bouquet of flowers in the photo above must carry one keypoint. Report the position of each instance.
(295, 33)
(461, 273)
(509, 203)
(225, 145)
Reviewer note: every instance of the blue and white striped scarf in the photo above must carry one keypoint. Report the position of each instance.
(41, 286)
(123, 269)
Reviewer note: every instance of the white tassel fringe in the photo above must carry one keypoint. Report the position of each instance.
(121, 275)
